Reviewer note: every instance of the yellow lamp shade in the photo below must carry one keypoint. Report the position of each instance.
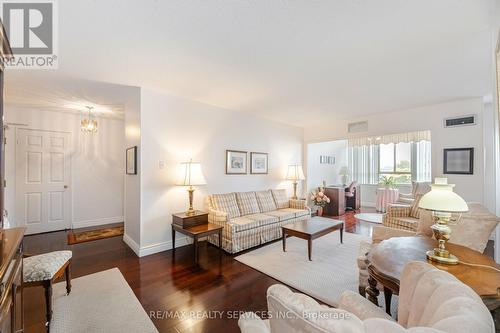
(442, 198)
(190, 174)
(295, 173)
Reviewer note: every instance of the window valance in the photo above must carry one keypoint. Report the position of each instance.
(390, 138)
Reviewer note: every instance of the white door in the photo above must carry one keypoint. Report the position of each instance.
(43, 196)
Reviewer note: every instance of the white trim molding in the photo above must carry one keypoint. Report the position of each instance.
(92, 223)
(154, 248)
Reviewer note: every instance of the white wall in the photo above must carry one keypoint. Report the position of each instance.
(174, 130)
(471, 187)
(97, 163)
(317, 172)
(132, 196)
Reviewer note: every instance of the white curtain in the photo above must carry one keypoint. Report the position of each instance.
(421, 161)
(363, 164)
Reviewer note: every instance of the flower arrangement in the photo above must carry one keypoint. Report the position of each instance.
(319, 198)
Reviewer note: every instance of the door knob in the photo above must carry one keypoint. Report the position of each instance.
(65, 186)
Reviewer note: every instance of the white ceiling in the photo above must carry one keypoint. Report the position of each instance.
(302, 62)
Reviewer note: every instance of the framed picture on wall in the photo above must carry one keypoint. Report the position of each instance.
(131, 161)
(236, 162)
(458, 161)
(258, 163)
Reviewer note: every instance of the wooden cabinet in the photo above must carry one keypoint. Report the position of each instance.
(336, 207)
(11, 275)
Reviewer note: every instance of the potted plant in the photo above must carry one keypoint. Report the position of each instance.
(387, 182)
(320, 200)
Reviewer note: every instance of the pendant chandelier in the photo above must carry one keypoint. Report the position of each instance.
(89, 124)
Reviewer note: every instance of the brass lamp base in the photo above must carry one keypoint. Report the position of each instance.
(294, 197)
(190, 210)
(434, 255)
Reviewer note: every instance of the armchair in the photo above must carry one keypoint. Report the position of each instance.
(416, 188)
(404, 217)
(431, 301)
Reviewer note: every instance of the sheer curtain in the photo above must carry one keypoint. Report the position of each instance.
(421, 161)
(363, 163)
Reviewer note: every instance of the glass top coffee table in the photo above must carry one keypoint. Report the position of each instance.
(309, 230)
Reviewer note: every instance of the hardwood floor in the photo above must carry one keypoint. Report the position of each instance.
(164, 283)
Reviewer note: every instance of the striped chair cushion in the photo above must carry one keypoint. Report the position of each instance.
(265, 201)
(247, 202)
(280, 198)
(414, 210)
(227, 203)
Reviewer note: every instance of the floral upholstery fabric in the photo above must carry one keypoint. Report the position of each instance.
(43, 266)
(265, 201)
(226, 203)
(247, 203)
(280, 198)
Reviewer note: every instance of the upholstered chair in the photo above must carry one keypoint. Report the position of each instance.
(430, 301)
(416, 188)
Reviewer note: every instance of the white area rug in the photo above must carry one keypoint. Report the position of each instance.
(333, 268)
(370, 217)
(100, 302)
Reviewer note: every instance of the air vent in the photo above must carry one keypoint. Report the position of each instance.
(460, 121)
(361, 126)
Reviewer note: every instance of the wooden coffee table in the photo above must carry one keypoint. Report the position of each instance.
(388, 259)
(312, 229)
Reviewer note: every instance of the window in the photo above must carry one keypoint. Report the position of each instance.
(403, 156)
(395, 161)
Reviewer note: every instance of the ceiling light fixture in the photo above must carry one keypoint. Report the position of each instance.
(88, 124)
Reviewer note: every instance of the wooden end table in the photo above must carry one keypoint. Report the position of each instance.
(388, 259)
(202, 228)
(312, 229)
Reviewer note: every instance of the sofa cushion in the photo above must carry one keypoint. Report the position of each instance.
(243, 223)
(407, 222)
(227, 203)
(296, 212)
(247, 203)
(280, 198)
(263, 219)
(265, 201)
(282, 214)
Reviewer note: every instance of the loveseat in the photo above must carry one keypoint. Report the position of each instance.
(253, 218)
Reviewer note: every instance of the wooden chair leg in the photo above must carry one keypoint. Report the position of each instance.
(48, 300)
(68, 278)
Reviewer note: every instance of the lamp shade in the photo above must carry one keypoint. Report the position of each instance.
(295, 173)
(189, 174)
(442, 198)
(344, 171)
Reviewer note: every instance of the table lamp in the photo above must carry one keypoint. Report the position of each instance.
(190, 175)
(295, 174)
(344, 172)
(442, 201)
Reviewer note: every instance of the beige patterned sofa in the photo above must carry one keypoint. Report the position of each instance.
(253, 218)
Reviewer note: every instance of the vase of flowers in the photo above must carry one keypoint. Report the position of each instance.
(320, 200)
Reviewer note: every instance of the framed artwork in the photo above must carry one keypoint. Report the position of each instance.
(131, 161)
(258, 163)
(236, 162)
(458, 161)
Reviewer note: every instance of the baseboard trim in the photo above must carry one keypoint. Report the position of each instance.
(131, 243)
(92, 223)
(162, 246)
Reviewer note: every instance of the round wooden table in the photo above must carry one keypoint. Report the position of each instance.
(388, 259)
